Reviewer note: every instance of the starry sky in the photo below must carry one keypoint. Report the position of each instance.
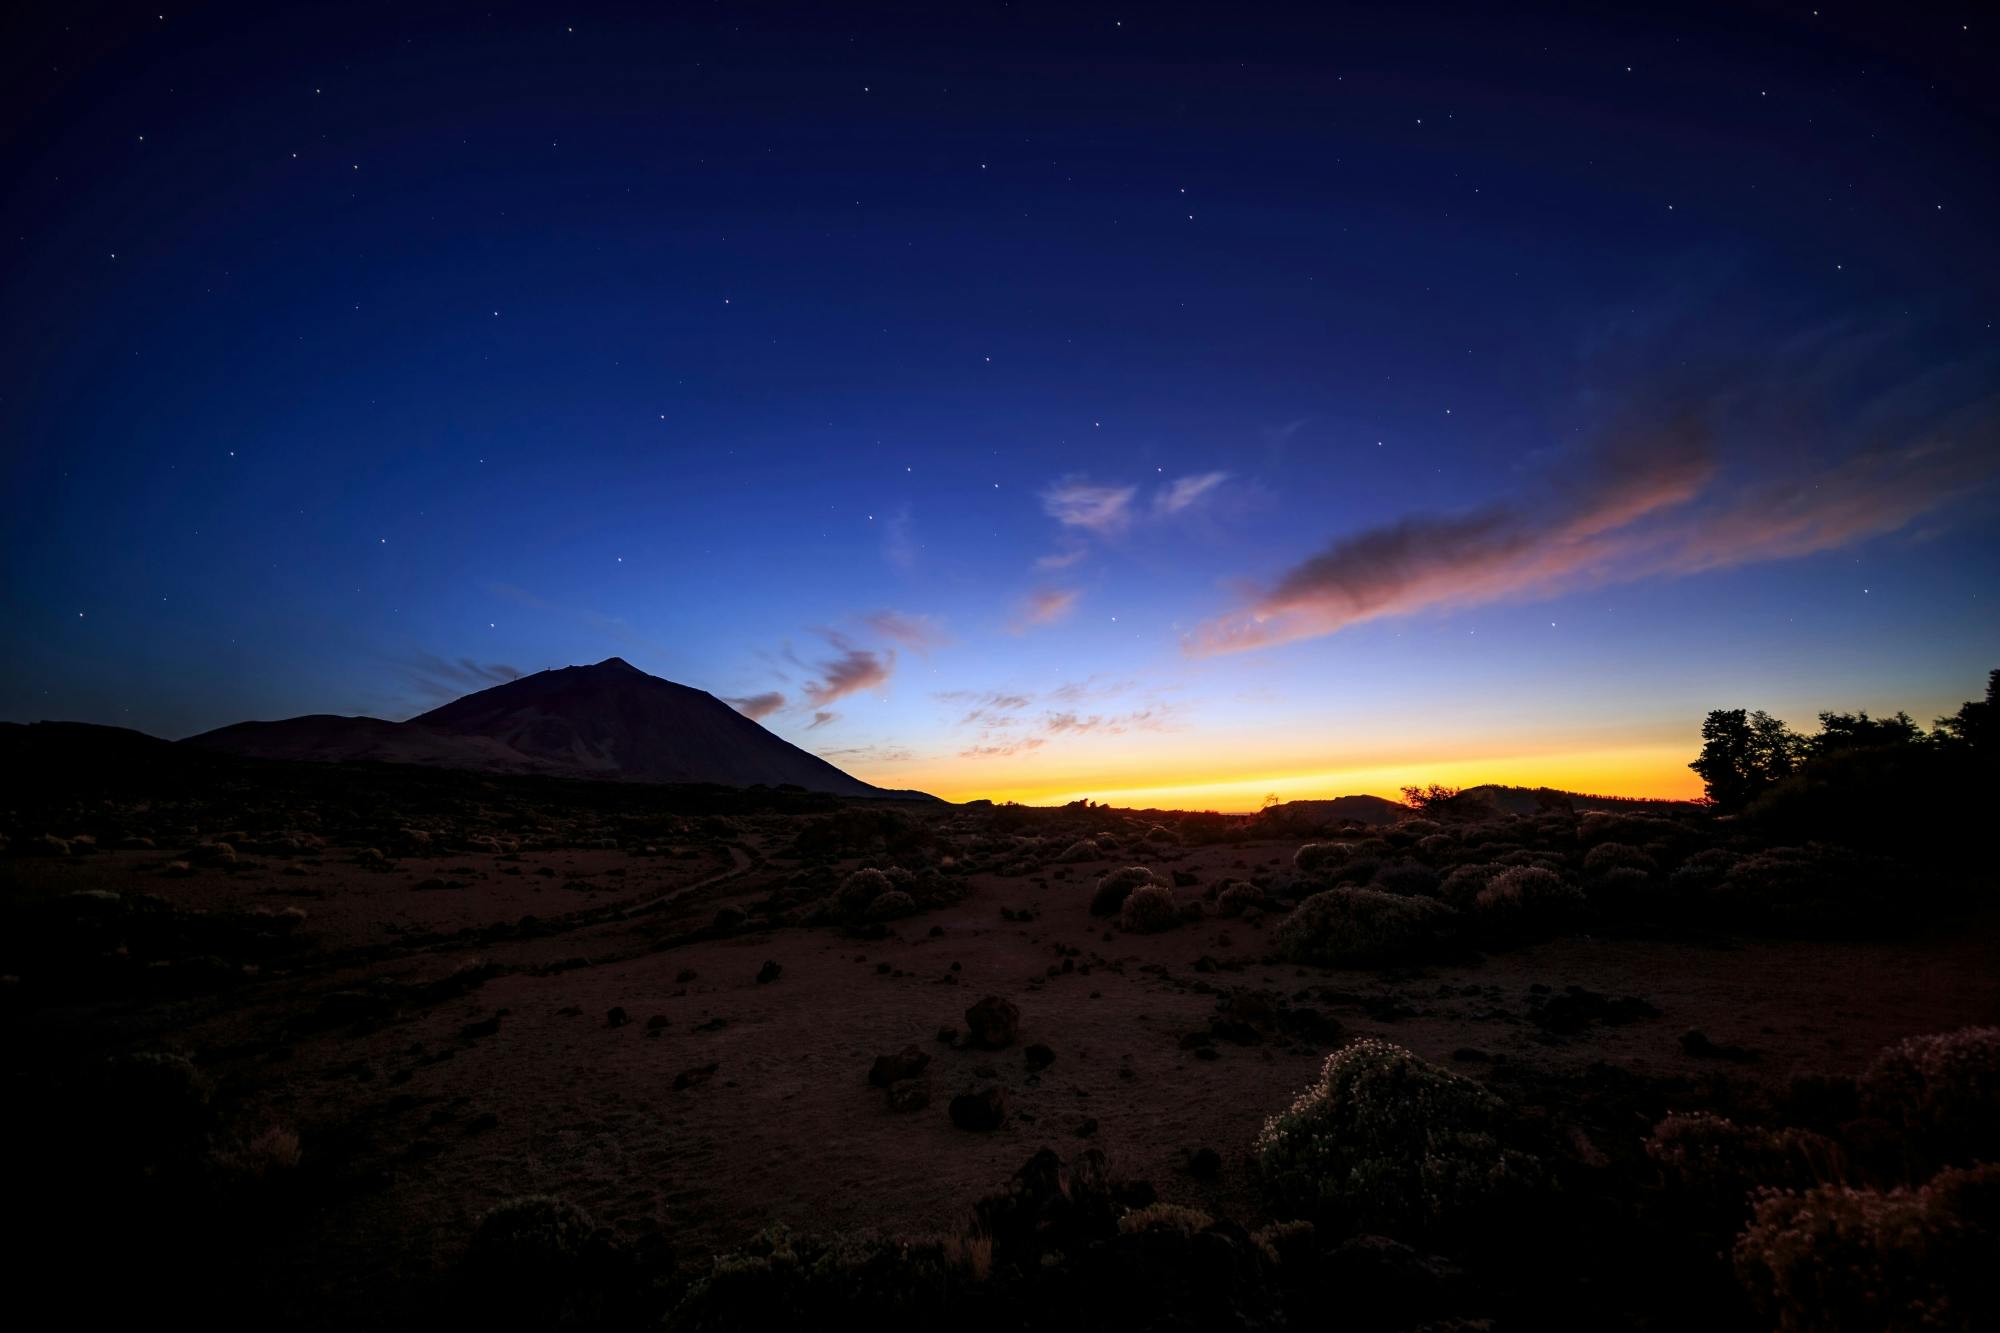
(1168, 405)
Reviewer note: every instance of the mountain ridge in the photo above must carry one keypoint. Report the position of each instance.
(604, 720)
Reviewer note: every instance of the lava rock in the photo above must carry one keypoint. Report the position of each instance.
(904, 1064)
(993, 1022)
(980, 1111)
(768, 973)
(1039, 1056)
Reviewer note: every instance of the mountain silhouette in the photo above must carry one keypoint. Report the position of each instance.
(610, 720)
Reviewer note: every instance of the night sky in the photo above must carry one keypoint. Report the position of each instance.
(1164, 405)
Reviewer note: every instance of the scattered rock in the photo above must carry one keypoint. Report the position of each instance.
(910, 1094)
(904, 1064)
(1697, 1043)
(993, 1022)
(617, 1018)
(1039, 1057)
(1205, 1164)
(695, 1077)
(980, 1111)
(769, 972)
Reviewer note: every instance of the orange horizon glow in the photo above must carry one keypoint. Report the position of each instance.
(1638, 772)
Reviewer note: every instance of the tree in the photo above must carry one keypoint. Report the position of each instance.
(1977, 723)
(1745, 753)
(1858, 731)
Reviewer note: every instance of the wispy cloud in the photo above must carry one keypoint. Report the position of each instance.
(1648, 506)
(1145, 719)
(1075, 503)
(1185, 492)
(918, 633)
(900, 546)
(820, 719)
(1045, 606)
(448, 678)
(1071, 552)
(991, 709)
(757, 707)
(855, 670)
(1005, 748)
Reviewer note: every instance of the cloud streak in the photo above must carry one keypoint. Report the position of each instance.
(1646, 508)
(854, 671)
(1045, 606)
(1186, 492)
(917, 633)
(1075, 503)
(757, 707)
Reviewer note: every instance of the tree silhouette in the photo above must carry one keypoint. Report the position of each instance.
(1745, 753)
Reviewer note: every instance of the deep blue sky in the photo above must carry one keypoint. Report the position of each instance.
(985, 380)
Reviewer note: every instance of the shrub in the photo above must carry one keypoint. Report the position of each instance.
(1082, 850)
(1809, 888)
(1115, 887)
(1406, 879)
(1714, 1163)
(860, 889)
(1150, 908)
(1701, 872)
(1315, 857)
(1461, 887)
(1842, 1260)
(1387, 1142)
(1529, 895)
(786, 1281)
(891, 905)
(1237, 898)
(1609, 856)
(1165, 1217)
(1942, 1094)
(1359, 926)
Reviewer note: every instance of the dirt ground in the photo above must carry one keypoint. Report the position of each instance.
(727, 1103)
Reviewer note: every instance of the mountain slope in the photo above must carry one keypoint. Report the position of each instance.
(610, 720)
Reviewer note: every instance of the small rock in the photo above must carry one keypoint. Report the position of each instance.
(694, 1078)
(904, 1064)
(980, 1111)
(910, 1094)
(769, 972)
(656, 1022)
(947, 1034)
(993, 1022)
(1087, 1128)
(1039, 1056)
(1204, 1164)
(617, 1018)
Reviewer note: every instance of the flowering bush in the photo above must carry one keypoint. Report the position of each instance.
(1942, 1093)
(1842, 1260)
(1387, 1142)
(1529, 894)
(1714, 1163)
(1346, 925)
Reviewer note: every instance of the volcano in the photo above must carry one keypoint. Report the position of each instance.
(610, 720)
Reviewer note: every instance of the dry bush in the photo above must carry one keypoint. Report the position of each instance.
(1713, 1163)
(1115, 887)
(1149, 909)
(1387, 1142)
(1529, 896)
(1841, 1260)
(1941, 1093)
(1340, 926)
(1165, 1217)
(1316, 857)
(860, 890)
(1461, 887)
(1407, 879)
(891, 905)
(1609, 856)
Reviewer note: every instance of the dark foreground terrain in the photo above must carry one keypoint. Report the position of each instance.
(344, 1046)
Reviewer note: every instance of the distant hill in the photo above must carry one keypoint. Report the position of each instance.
(1307, 815)
(610, 720)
